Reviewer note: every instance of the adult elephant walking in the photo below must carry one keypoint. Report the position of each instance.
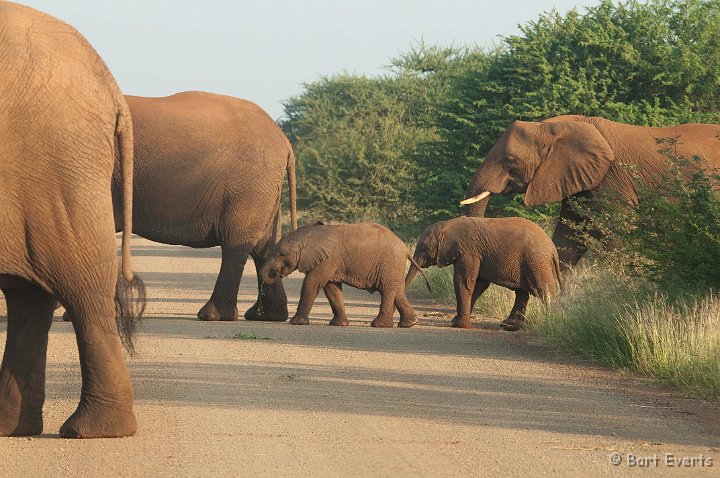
(62, 116)
(208, 172)
(568, 156)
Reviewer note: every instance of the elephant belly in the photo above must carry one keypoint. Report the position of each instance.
(355, 282)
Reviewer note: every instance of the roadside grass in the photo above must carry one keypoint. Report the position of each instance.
(619, 321)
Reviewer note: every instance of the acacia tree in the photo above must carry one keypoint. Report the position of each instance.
(401, 148)
(356, 138)
(652, 63)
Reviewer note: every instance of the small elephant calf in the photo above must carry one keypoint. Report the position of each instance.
(511, 252)
(366, 256)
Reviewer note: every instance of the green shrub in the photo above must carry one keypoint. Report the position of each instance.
(672, 237)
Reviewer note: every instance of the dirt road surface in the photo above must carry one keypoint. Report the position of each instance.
(271, 399)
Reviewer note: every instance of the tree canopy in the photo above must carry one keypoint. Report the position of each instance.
(401, 148)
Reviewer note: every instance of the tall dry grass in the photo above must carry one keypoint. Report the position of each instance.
(617, 320)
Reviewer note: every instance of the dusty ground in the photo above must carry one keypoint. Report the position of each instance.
(244, 398)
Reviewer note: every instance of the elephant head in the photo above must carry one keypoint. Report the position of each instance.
(548, 161)
(440, 244)
(302, 249)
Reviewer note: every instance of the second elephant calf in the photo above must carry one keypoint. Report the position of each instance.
(366, 256)
(511, 252)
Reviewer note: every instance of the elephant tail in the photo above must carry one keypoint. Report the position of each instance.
(129, 289)
(411, 275)
(292, 189)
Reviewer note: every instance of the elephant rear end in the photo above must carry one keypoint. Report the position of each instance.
(60, 114)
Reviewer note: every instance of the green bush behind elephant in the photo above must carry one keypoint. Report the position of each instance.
(575, 156)
(511, 252)
(62, 118)
(208, 172)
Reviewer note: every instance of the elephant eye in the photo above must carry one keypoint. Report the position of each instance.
(283, 254)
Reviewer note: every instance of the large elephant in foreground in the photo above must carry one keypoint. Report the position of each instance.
(208, 172)
(62, 118)
(569, 156)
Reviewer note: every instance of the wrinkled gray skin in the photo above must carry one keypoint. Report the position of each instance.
(208, 172)
(366, 256)
(62, 122)
(511, 252)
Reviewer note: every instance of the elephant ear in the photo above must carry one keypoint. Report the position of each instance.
(577, 159)
(316, 248)
(449, 248)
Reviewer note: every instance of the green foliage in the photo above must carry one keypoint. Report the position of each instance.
(356, 138)
(673, 236)
(647, 64)
(401, 148)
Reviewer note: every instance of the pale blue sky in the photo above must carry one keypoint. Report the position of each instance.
(265, 50)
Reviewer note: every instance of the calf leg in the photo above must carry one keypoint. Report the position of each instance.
(480, 287)
(464, 279)
(315, 280)
(517, 314)
(333, 292)
(387, 307)
(22, 375)
(408, 318)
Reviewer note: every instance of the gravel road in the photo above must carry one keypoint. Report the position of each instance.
(271, 399)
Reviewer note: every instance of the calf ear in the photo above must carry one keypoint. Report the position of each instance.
(316, 249)
(448, 250)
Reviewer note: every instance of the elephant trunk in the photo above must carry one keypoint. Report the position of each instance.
(476, 209)
(490, 177)
(266, 275)
(412, 272)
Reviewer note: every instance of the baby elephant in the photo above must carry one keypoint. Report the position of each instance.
(366, 256)
(511, 252)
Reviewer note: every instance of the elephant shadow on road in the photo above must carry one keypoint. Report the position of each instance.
(520, 402)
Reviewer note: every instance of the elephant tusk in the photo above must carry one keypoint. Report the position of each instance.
(475, 199)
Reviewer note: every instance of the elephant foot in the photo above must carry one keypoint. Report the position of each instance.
(99, 421)
(382, 323)
(461, 323)
(297, 320)
(217, 311)
(341, 322)
(405, 323)
(268, 314)
(21, 426)
(511, 324)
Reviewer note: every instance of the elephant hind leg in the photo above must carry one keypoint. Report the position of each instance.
(333, 292)
(22, 375)
(105, 408)
(387, 308)
(408, 317)
(517, 314)
(222, 304)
